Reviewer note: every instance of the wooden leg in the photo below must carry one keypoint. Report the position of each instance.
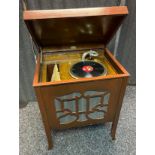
(113, 130)
(49, 138)
(44, 118)
(120, 100)
(48, 134)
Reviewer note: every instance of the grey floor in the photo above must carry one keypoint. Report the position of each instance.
(91, 140)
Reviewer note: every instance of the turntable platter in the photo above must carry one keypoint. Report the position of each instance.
(86, 69)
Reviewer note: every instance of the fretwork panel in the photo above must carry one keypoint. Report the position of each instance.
(81, 107)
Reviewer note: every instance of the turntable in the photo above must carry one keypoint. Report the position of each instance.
(87, 68)
(77, 80)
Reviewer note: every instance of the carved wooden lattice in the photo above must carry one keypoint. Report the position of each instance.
(81, 107)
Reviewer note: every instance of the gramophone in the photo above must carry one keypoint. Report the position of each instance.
(77, 80)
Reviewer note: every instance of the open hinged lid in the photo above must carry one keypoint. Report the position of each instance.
(67, 27)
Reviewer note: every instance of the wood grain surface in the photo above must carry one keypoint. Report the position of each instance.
(79, 12)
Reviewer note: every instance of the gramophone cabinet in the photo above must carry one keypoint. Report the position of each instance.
(61, 37)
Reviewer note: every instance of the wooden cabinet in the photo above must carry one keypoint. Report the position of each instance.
(61, 37)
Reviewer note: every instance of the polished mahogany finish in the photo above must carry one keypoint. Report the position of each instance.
(85, 28)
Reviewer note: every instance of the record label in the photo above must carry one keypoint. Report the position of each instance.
(86, 69)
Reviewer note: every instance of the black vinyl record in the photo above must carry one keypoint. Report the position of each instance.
(87, 69)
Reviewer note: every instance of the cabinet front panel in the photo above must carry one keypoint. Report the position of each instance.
(71, 105)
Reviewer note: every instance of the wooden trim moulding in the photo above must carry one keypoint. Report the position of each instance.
(80, 80)
(80, 12)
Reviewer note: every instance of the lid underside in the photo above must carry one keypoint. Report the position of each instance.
(74, 26)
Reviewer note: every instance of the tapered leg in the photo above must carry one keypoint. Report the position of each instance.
(48, 133)
(49, 138)
(113, 130)
(44, 118)
(120, 100)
